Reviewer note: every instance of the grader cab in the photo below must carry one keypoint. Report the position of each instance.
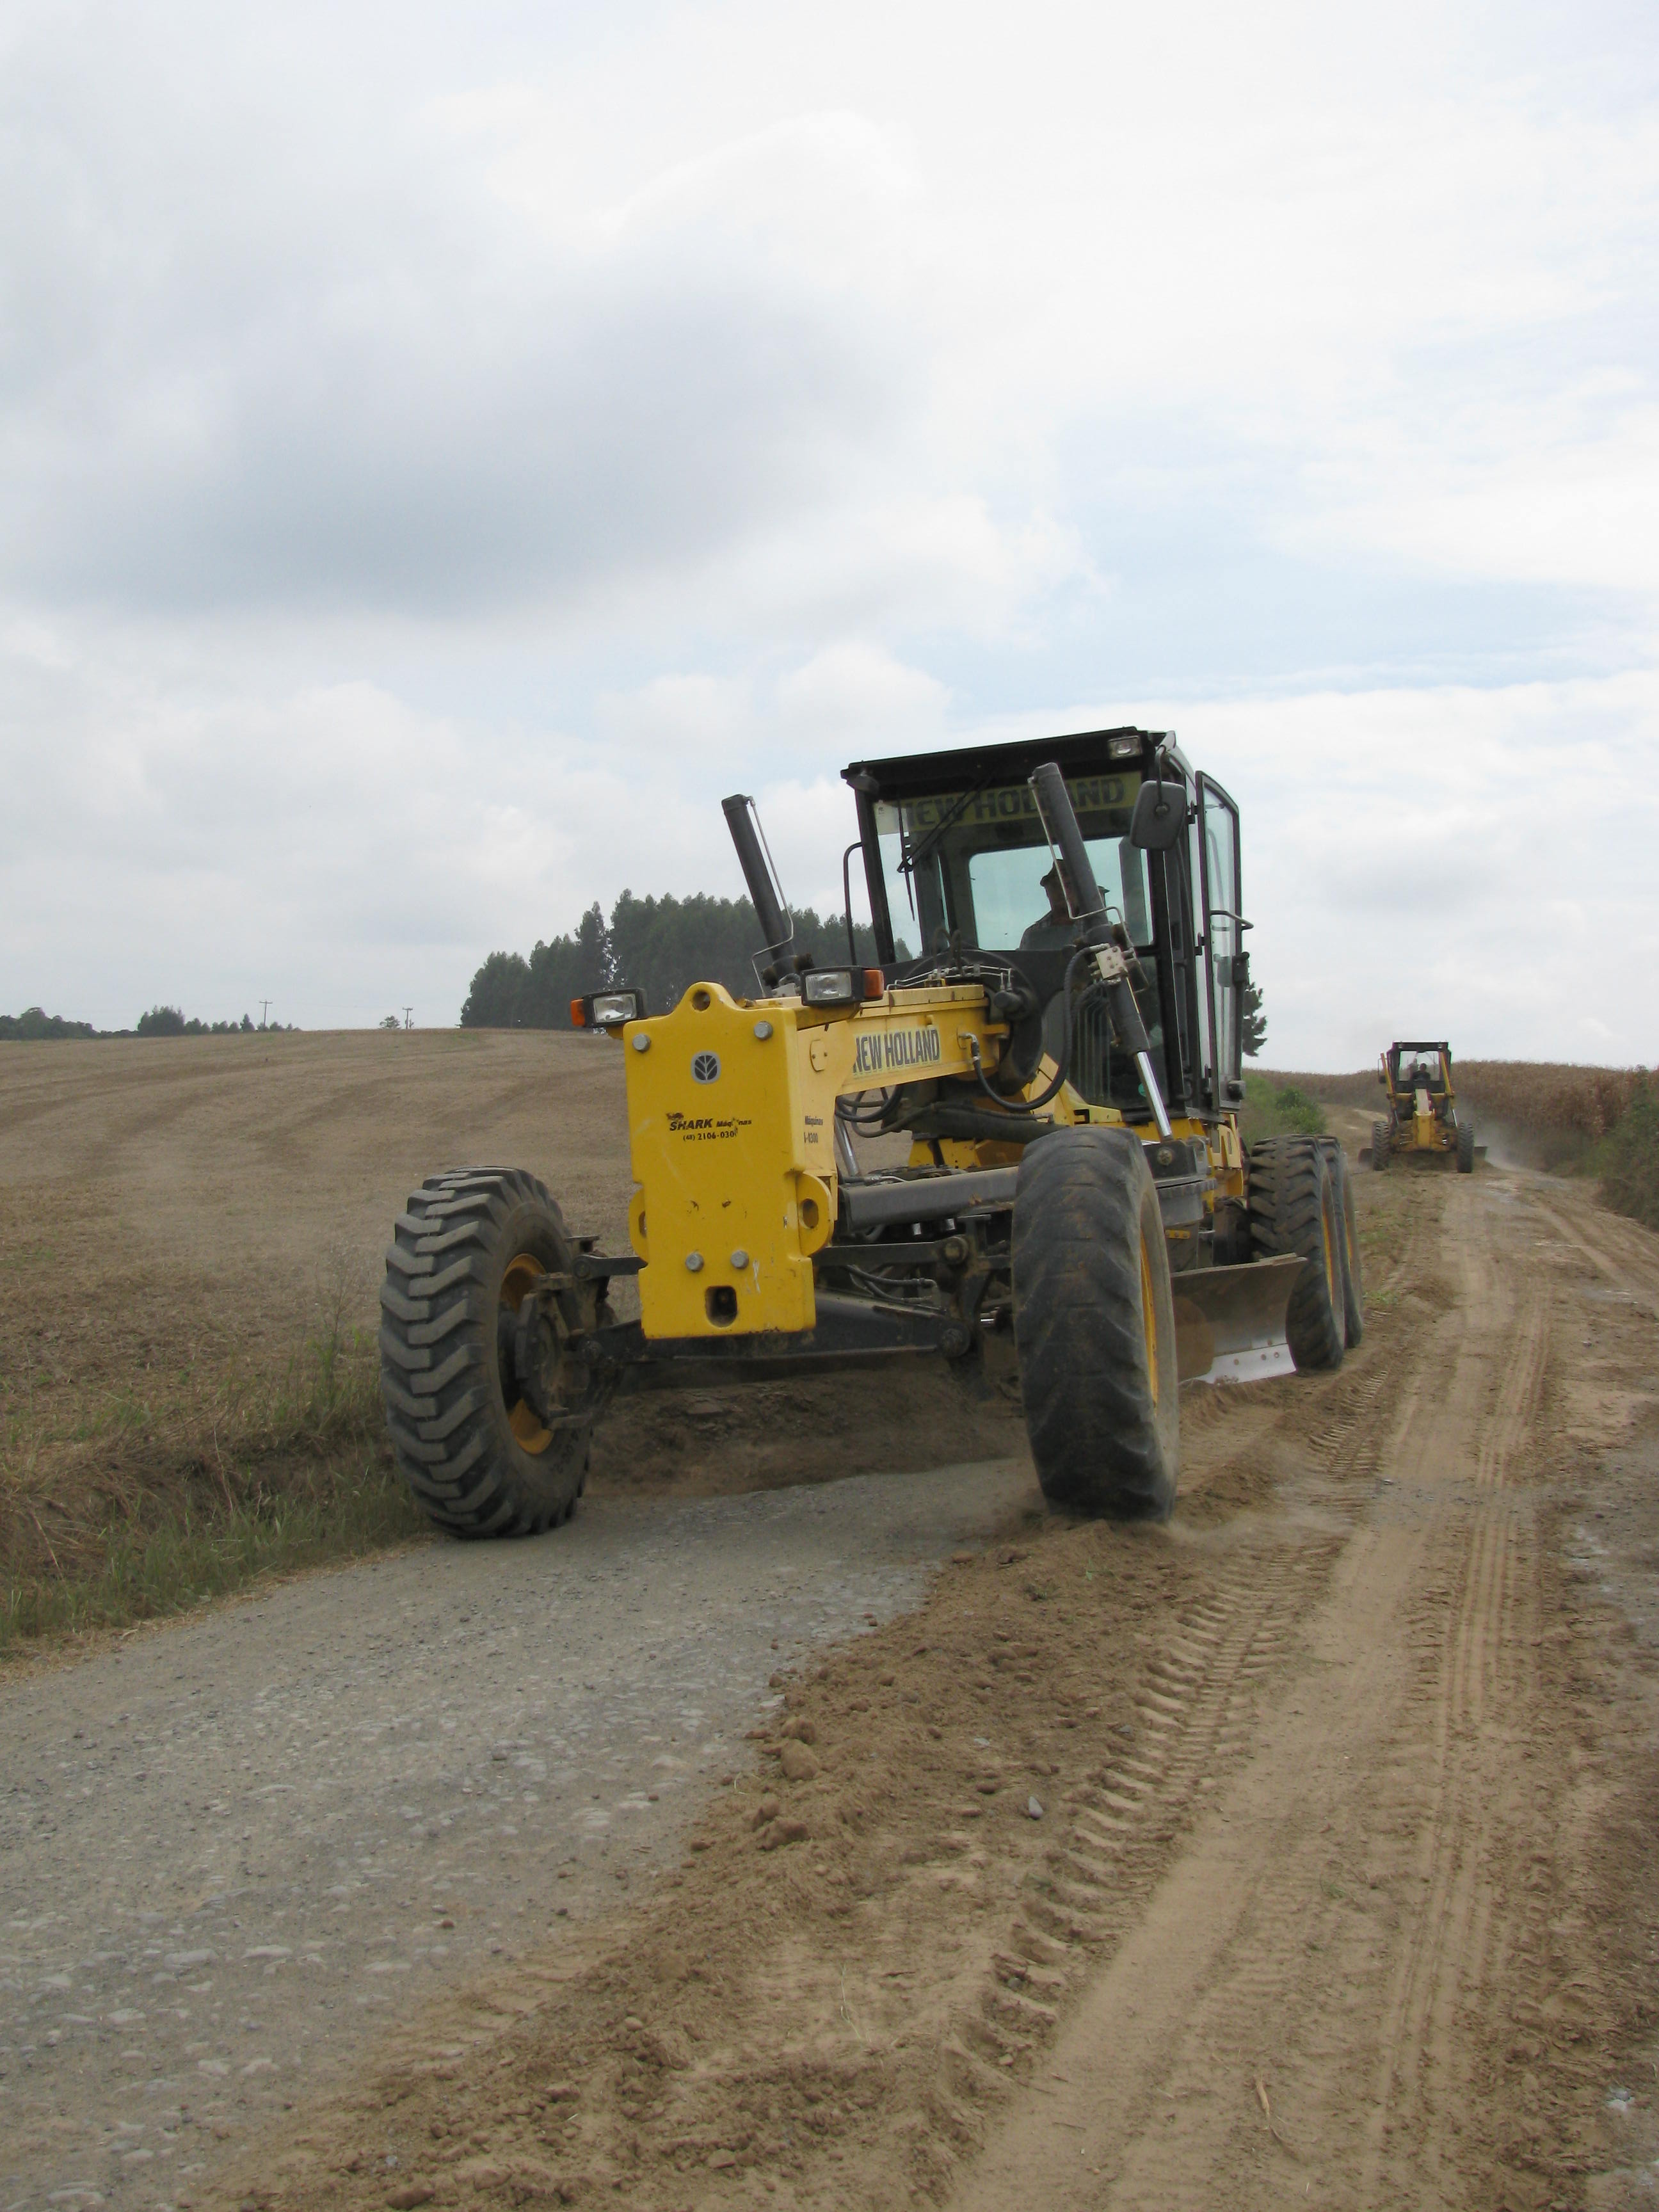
(1061, 1063)
(1422, 1120)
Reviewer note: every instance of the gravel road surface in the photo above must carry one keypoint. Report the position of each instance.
(232, 1850)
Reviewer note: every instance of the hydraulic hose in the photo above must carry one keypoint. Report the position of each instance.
(1088, 908)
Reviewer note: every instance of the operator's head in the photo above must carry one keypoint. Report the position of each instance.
(1056, 891)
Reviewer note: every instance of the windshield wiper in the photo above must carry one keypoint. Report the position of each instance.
(911, 861)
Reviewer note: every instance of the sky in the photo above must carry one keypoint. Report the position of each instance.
(445, 450)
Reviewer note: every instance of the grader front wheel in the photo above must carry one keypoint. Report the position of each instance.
(1094, 1325)
(471, 1246)
(1353, 1280)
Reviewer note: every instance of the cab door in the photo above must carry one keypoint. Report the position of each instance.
(1226, 969)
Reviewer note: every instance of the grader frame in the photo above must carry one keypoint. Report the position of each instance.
(1422, 1120)
(1074, 1178)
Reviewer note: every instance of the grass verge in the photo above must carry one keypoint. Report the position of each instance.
(1627, 1160)
(146, 1572)
(1275, 1109)
(166, 1488)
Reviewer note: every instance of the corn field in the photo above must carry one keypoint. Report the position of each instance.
(1564, 1109)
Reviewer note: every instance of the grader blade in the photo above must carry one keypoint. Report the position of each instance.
(1230, 1321)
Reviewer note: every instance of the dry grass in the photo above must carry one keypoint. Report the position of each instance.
(190, 1241)
(187, 1476)
(1561, 1109)
(1627, 1160)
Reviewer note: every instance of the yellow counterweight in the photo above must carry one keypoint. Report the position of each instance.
(731, 1111)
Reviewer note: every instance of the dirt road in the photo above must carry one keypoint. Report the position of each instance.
(1300, 1851)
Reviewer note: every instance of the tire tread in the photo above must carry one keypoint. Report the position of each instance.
(445, 1413)
(1289, 1182)
(1079, 1215)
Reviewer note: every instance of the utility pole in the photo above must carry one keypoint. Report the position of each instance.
(409, 1018)
(264, 1009)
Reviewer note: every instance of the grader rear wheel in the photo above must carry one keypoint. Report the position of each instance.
(1094, 1325)
(1465, 1148)
(471, 1246)
(1295, 1207)
(1381, 1145)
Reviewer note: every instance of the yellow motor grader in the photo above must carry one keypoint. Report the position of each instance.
(1422, 1118)
(1062, 1060)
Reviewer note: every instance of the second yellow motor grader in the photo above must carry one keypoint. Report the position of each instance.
(1063, 1059)
(1422, 1120)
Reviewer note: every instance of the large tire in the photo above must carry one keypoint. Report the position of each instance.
(1466, 1148)
(1295, 1208)
(468, 1246)
(1381, 1145)
(1094, 1325)
(1353, 1280)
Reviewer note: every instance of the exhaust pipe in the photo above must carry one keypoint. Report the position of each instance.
(766, 894)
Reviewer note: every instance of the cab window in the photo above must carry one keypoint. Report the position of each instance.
(1223, 933)
(975, 861)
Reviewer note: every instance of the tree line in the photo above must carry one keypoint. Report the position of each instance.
(662, 946)
(657, 945)
(35, 1026)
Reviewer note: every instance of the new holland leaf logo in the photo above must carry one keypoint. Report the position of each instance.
(705, 1068)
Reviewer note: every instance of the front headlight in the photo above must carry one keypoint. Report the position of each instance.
(831, 986)
(607, 1010)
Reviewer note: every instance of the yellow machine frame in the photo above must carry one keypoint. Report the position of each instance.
(763, 1246)
(727, 1255)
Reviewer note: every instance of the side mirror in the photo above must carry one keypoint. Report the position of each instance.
(1160, 817)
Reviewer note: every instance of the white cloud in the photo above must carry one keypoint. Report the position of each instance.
(853, 694)
(1476, 861)
(1544, 504)
(439, 465)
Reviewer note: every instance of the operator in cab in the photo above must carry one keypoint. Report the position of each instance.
(1101, 1077)
(1053, 931)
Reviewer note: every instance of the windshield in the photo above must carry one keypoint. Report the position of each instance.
(1421, 1070)
(979, 862)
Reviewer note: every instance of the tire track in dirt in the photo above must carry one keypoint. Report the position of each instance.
(1350, 1854)
(1425, 2062)
(1198, 1694)
(1614, 1252)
